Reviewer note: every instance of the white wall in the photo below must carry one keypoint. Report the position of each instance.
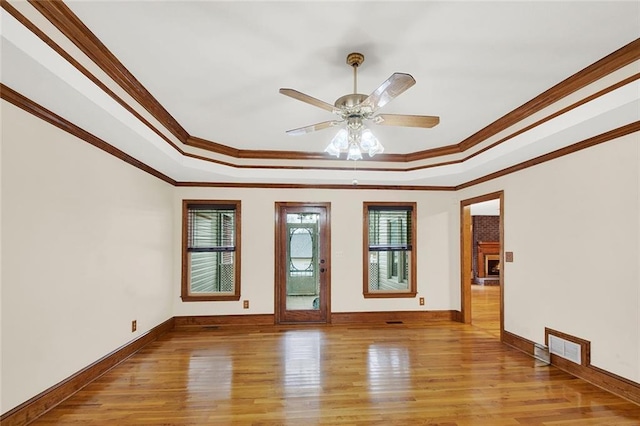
(435, 229)
(90, 243)
(87, 247)
(578, 214)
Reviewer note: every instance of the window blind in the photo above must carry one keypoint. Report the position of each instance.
(211, 230)
(390, 228)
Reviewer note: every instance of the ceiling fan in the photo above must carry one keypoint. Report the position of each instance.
(355, 109)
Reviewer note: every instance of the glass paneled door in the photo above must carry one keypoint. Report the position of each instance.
(302, 263)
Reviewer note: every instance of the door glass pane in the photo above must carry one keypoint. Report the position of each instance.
(303, 282)
(301, 247)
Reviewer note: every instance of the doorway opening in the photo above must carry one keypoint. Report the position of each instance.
(482, 272)
(302, 263)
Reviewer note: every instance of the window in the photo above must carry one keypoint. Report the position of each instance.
(389, 250)
(210, 250)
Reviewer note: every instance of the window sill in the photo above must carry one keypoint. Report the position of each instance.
(389, 295)
(211, 298)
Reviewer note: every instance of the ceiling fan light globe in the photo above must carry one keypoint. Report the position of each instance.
(332, 150)
(377, 149)
(354, 152)
(341, 140)
(368, 140)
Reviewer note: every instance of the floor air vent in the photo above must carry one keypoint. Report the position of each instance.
(541, 353)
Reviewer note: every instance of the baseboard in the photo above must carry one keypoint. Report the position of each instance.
(222, 320)
(604, 379)
(517, 342)
(384, 317)
(46, 400)
(30, 410)
(336, 318)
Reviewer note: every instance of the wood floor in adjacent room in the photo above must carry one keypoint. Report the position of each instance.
(440, 373)
(485, 308)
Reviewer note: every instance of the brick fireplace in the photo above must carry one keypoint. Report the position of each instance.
(489, 259)
(486, 250)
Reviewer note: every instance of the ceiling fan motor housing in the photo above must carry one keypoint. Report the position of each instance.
(350, 100)
(355, 59)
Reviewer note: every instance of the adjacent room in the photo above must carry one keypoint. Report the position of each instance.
(345, 212)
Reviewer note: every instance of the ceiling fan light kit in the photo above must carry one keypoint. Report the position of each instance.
(354, 109)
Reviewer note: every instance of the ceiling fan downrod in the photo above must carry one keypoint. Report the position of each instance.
(355, 59)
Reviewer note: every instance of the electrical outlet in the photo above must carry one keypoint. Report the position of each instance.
(245, 304)
(134, 325)
(422, 301)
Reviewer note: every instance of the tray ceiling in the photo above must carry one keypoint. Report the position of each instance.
(215, 68)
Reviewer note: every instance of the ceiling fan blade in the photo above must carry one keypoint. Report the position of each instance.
(313, 127)
(308, 99)
(390, 89)
(406, 120)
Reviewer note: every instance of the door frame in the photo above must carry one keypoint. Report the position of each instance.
(280, 255)
(466, 253)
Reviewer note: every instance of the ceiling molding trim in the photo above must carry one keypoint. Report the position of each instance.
(59, 14)
(297, 155)
(50, 117)
(294, 155)
(556, 114)
(599, 69)
(69, 24)
(64, 54)
(587, 143)
(275, 155)
(312, 186)
(37, 110)
(603, 67)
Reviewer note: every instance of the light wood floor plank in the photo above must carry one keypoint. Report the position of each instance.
(401, 374)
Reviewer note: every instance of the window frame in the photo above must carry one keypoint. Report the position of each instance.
(186, 294)
(411, 256)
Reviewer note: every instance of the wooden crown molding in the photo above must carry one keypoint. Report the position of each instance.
(59, 14)
(72, 27)
(605, 66)
(63, 53)
(50, 117)
(39, 111)
(587, 143)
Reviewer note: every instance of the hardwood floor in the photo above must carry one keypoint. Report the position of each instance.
(485, 308)
(441, 373)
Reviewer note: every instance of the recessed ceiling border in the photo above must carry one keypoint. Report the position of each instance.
(50, 117)
(61, 16)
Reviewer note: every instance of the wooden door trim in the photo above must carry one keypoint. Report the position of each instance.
(279, 254)
(465, 261)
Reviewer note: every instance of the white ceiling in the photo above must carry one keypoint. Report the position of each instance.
(216, 67)
(486, 208)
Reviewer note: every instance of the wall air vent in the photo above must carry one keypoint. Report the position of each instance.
(565, 349)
